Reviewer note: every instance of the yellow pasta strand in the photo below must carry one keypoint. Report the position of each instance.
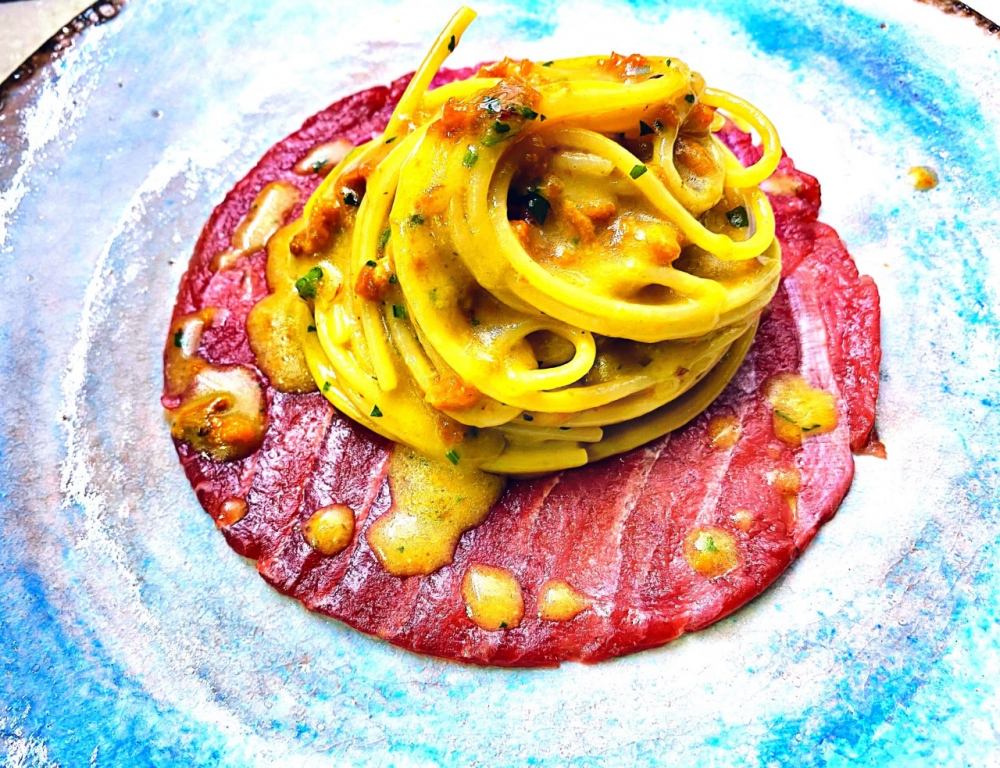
(541, 265)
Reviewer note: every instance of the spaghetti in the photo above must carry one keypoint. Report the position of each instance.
(536, 267)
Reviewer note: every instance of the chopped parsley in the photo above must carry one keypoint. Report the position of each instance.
(471, 156)
(537, 206)
(376, 413)
(383, 239)
(311, 329)
(453, 457)
(784, 416)
(390, 139)
(705, 543)
(527, 417)
(503, 625)
(637, 171)
(370, 263)
(179, 339)
(416, 219)
(308, 283)
(500, 127)
(451, 44)
(548, 63)
(689, 98)
(399, 311)
(318, 165)
(738, 217)
(645, 129)
(527, 113)
(393, 279)
(351, 198)
(564, 429)
(475, 321)
(326, 386)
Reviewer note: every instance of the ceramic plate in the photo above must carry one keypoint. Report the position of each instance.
(130, 633)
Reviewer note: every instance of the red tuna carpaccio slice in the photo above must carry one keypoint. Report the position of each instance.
(615, 530)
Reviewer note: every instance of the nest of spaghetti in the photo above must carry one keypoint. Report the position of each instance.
(533, 268)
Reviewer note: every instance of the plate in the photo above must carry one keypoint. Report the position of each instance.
(132, 635)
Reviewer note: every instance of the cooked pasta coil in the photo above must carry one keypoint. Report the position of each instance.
(539, 266)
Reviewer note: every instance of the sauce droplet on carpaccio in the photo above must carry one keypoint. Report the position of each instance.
(799, 410)
(922, 177)
(788, 482)
(330, 529)
(230, 512)
(434, 503)
(492, 597)
(742, 519)
(219, 410)
(711, 552)
(323, 158)
(724, 431)
(266, 216)
(558, 601)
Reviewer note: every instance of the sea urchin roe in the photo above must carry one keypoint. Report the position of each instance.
(788, 482)
(711, 552)
(434, 503)
(492, 597)
(323, 158)
(329, 529)
(724, 431)
(922, 177)
(799, 409)
(266, 215)
(558, 601)
(274, 331)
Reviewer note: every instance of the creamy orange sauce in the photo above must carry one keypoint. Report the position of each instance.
(742, 519)
(800, 410)
(711, 552)
(724, 431)
(323, 158)
(330, 529)
(266, 216)
(922, 177)
(787, 482)
(434, 504)
(219, 410)
(274, 330)
(558, 601)
(231, 511)
(492, 597)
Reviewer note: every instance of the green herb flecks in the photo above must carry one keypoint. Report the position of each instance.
(383, 239)
(645, 129)
(689, 98)
(538, 207)
(637, 171)
(311, 329)
(399, 311)
(179, 339)
(471, 156)
(308, 283)
(376, 413)
(738, 217)
(451, 44)
(393, 279)
(318, 165)
(453, 457)
(416, 219)
(527, 417)
(370, 263)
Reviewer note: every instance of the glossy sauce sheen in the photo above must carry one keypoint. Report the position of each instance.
(627, 532)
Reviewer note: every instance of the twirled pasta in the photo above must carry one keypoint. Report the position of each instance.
(536, 267)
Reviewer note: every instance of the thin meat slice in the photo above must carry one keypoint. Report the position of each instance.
(614, 530)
